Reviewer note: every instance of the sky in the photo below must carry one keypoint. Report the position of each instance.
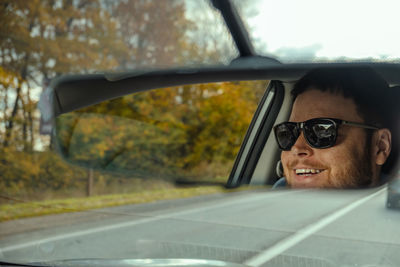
(328, 29)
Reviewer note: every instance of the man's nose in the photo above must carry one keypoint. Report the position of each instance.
(301, 148)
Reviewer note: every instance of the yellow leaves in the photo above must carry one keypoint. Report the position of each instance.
(192, 130)
(8, 78)
(173, 128)
(161, 131)
(22, 173)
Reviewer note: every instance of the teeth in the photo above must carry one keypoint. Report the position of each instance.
(307, 171)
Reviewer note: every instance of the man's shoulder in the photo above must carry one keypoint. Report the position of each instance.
(281, 183)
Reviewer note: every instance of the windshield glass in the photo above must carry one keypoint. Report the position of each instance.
(145, 177)
(319, 31)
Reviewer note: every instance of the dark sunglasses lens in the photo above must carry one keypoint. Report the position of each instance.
(320, 133)
(286, 135)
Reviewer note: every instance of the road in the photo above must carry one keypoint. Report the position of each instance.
(258, 228)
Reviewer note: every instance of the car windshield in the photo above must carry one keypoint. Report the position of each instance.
(172, 160)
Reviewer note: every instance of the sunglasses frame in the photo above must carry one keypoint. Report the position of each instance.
(299, 126)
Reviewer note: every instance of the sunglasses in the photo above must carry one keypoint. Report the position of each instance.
(318, 132)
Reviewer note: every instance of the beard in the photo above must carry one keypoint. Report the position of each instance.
(357, 173)
(354, 172)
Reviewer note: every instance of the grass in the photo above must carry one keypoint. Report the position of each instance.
(38, 208)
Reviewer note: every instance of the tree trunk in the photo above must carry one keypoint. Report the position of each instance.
(25, 135)
(30, 121)
(90, 178)
(10, 122)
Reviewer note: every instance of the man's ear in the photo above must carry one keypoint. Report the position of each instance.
(382, 145)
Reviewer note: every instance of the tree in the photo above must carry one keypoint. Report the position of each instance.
(154, 32)
(40, 39)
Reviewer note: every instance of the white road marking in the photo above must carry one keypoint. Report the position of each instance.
(305, 232)
(240, 200)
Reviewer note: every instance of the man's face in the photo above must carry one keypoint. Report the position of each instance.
(347, 164)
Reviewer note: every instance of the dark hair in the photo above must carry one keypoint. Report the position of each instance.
(372, 95)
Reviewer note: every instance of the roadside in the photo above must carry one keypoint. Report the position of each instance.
(183, 196)
(38, 208)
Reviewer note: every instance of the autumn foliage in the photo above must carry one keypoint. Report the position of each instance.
(162, 133)
(191, 130)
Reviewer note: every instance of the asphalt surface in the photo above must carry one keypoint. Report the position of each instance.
(261, 228)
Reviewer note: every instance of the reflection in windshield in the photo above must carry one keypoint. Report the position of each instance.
(186, 131)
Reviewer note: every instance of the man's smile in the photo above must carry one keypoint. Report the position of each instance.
(307, 171)
(306, 174)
